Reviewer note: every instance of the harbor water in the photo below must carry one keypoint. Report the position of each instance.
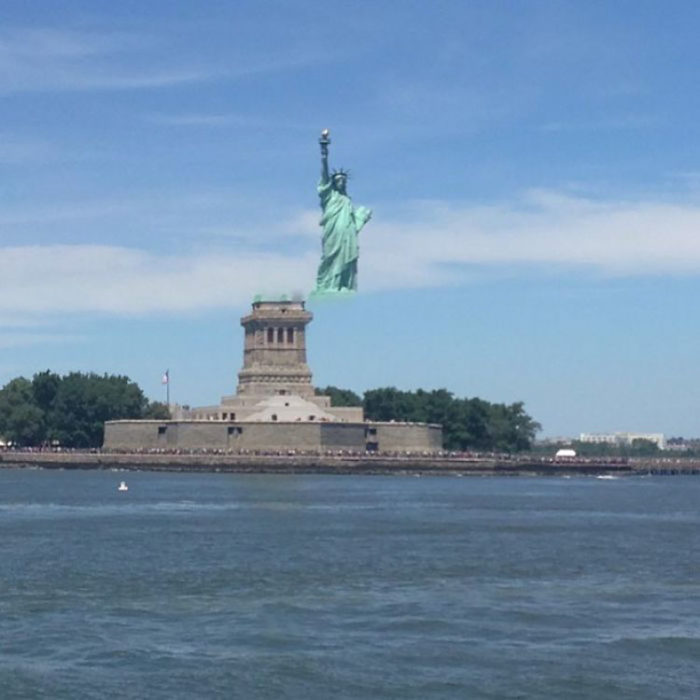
(262, 586)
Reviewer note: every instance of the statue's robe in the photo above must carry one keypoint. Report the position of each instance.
(341, 223)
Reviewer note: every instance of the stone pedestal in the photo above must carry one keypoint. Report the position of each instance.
(274, 384)
(274, 351)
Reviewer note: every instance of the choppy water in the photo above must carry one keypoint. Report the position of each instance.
(232, 586)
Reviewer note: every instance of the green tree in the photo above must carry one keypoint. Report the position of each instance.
(22, 422)
(44, 387)
(340, 397)
(71, 409)
(83, 402)
(157, 410)
(383, 404)
(512, 429)
(467, 423)
(643, 448)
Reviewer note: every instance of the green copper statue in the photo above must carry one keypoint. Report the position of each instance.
(341, 224)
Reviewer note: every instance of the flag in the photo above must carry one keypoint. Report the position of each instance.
(166, 377)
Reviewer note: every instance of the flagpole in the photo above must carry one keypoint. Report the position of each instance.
(166, 381)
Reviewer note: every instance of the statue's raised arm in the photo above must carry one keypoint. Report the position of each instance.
(324, 141)
(341, 223)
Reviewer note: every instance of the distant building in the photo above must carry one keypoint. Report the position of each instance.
(555, 440)
(677, 447)
(623, 438)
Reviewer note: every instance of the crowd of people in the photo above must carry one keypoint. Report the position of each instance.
(468, 456)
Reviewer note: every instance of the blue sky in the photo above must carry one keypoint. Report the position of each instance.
(533, 168)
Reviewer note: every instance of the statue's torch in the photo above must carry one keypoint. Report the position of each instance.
(325, 141)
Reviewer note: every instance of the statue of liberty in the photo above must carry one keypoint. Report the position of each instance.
(341, 224)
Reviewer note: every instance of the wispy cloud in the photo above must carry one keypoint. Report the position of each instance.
(56, 279)
(227, 119)
(437, 243)
(8, 321)
(427, 244)
(16, 340)
(17, 329)
(174, 212)
(197, 120)
(57, 213)
(48, 42)
(631, 121)
(52, 59)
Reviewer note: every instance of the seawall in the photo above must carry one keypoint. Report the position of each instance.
(341, 464)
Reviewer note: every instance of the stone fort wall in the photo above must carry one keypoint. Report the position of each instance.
(187, 434)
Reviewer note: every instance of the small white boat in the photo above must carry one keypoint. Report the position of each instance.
(123, 486)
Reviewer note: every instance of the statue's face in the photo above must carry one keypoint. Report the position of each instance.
(340, 181)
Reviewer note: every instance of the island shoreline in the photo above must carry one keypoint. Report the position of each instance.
(403, 465)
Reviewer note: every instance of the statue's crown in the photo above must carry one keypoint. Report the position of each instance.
(341, 171)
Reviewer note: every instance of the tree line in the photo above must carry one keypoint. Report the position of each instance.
(468, 424)
(70, 410)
